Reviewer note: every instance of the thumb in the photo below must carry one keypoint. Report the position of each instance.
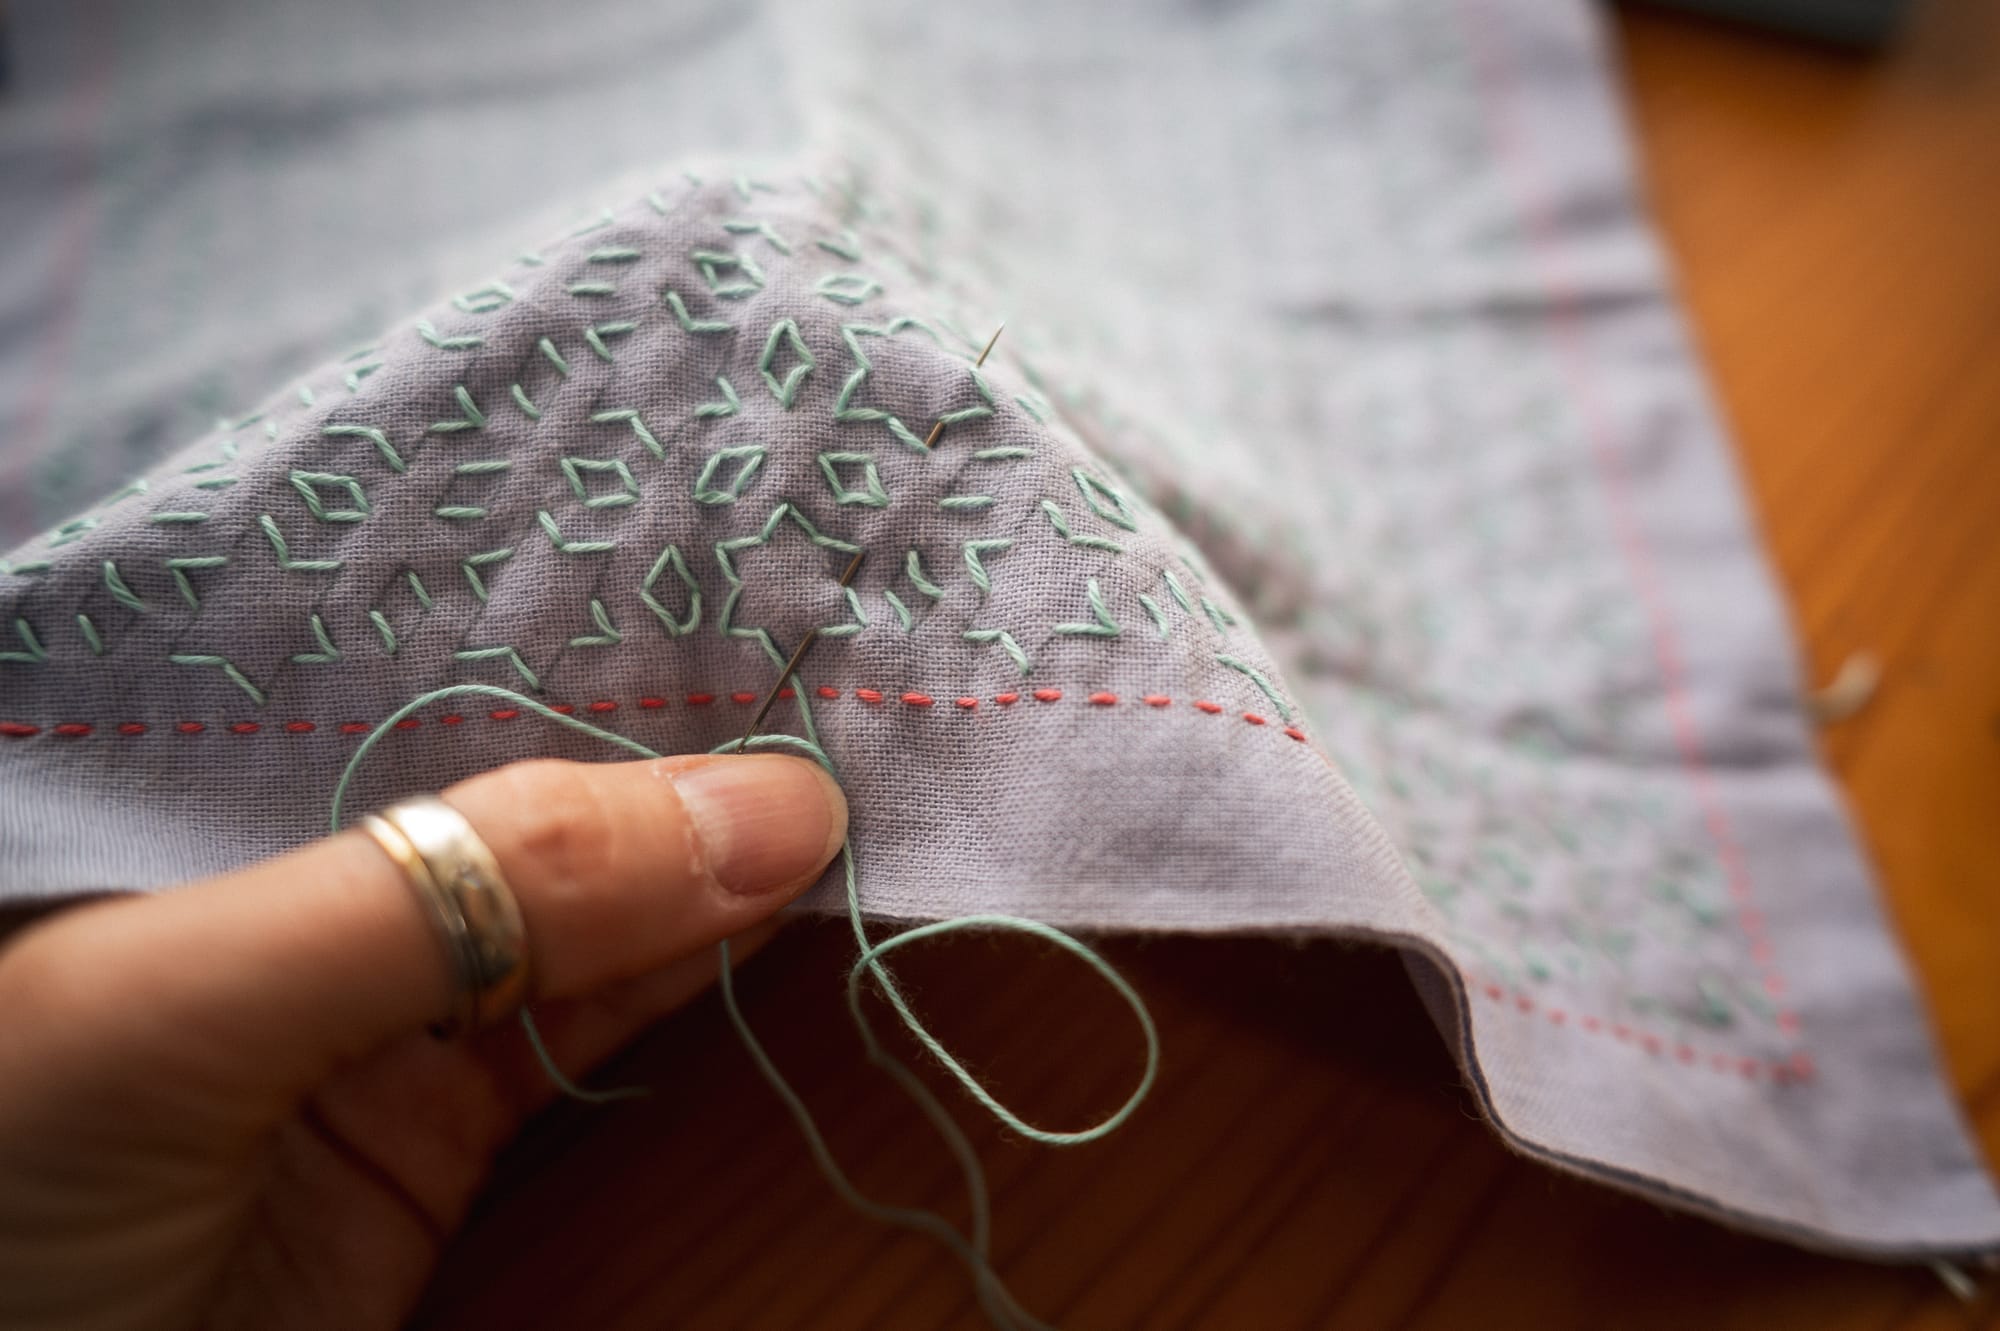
(252, 987)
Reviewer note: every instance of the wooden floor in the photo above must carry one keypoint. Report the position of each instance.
(1837, 224)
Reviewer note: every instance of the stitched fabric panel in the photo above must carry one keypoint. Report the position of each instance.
(1339, 539)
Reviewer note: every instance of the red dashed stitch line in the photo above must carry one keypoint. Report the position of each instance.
(873, 697)
(1797, 1068)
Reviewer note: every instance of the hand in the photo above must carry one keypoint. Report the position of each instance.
(218, 1105)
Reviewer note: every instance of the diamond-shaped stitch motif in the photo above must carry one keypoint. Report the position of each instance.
(710, 488)
(579, 472)
(870, 492)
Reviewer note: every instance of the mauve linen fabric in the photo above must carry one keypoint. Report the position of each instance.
(1340, 539)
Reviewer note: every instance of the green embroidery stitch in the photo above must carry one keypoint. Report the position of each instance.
(690, 324)
(1179, 592)
(1104, 501)
(1256, 677)
(423, 594)
(595, 336)
(627, 416)
(179, 568)
(847, 288)
(729, 406)
(593, 288)
(521, 400)
(614, 254)
(676, 628)
(785, 332)
(470, 567)
(385, 630)
(1105, 626)
(574, 469)
(486, 299)
(843, 246)
(307, 483)
(871, 494)
(507, 654)
(428, 331)
(607, 634)
(235, 676)
(554, 357)
(896, 604)
(1159, 615)
(746, 226)
(90, 635)
(373, 436)
(914, 566)
(570, 547)
(284, 553)
(966, 503)
(749, 457)
(327, 653)
(1056, 519)
(114, 582)
(974, 550)
(1007, 645)
(459, 512)
(729, 276)
(32, 652)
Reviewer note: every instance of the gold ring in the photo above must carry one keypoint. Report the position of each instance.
(454, 873)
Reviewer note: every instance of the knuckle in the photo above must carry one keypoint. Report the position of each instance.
(559, 830)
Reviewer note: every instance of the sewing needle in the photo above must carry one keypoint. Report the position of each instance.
(798, 655)
(938, 429)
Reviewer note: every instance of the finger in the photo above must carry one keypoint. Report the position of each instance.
(291, 967)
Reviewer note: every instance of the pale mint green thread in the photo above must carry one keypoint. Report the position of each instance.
(593, 288)
(1105, 626)
(847, 288)
(1056, 519)
(784, 333)
(484, 467)
(1007, 645)
(91, 636)
(690, 324)
(594, 337)
(284, 551)
(235, 676)
(1257, 677)
(628, 416)
(966, 503)
(114, 582)
(913, 564)
(1104, 500)
(575, 468)
(527, 406)
(373, 436)
(717, 266)
(902, 611)
(871, 492)
(554, 357)
(507, 654)
(422, 593)
(994, 1298)
(1222, 619)
(1159, 615)
(385, 629)
(671, 558)
(459, 512)
(465, 342)
(748, 226)
(327, 653)
(729, 405)
(1006, 453)
(178, 569)
(177, 519)
(566, 546)
(607, 634)
(974, 565)
(748, 457)
(307, 483)
(32, 652)
(1179, 592)
(470, 567)
(843, 246)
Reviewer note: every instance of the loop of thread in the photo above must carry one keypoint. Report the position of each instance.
(995, 1300)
